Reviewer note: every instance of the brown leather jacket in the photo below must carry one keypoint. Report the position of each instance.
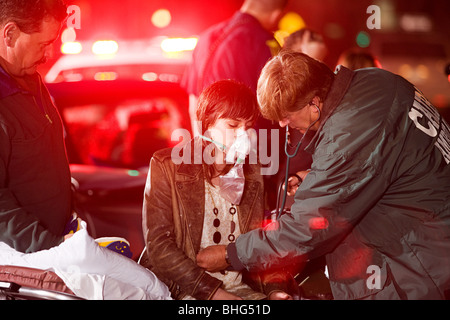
(173, 213)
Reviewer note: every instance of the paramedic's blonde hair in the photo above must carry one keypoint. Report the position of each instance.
(289, 82)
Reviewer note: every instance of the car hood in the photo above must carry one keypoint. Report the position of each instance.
(86, 177)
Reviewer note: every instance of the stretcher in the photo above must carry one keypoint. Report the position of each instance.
(22, 283)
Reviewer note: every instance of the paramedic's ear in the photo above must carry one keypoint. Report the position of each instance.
(10, 33)
(315, 105)
(316, 101)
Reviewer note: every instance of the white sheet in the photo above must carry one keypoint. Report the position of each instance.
(90, 271)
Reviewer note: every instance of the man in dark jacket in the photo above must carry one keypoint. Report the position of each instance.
(35, 191)
(377, 199)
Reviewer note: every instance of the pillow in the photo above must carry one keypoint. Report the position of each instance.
(80, 254)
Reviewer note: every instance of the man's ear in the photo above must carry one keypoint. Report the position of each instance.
(10, 33)
(315, 103)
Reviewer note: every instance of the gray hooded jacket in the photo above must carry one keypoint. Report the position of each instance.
(376, 201)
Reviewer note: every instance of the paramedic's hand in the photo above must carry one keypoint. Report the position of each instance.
(212, 258)
(294, 182)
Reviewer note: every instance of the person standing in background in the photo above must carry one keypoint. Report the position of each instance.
(235, 49)
(308, 42)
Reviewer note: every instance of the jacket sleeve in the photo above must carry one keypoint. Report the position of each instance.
(18, 228)
(166, 259)
(351, 171)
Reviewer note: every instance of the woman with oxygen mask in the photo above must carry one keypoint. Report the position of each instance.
(210, 198)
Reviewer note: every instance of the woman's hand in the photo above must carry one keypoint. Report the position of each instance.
(221, 294)
(280, 295)
(212, 258)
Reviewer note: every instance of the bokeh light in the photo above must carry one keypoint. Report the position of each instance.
(161, 18)
(363, 39)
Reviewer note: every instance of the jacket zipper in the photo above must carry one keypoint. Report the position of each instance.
(44, 110)
(48, 117)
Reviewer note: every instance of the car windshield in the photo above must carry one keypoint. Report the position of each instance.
(119, 124)
(125, 133)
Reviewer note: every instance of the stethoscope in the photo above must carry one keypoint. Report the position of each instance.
(279, 210)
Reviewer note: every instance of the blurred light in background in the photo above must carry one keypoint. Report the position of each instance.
(133, 173)
(172, 45)
(422, 72)
(406, 71)
(388, 14)
(105, 76)
(416, 75)
(149, 76)
(363, 39)
(416, 23)
(68, 35)
(105, 47)
(290, 23)
(161, 18)
(71, 48)
(69, 45)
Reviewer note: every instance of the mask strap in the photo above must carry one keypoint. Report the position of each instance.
(220, 145)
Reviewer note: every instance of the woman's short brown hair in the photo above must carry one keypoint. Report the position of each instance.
(289, 82)
(226, 99)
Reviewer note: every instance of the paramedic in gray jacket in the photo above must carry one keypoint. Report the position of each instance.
(376, 202)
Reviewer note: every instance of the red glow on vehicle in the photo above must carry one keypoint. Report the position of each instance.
(319, 223)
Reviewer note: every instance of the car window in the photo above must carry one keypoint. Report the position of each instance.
(122, 133)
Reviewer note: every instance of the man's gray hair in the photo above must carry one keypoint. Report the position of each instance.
(29, 14)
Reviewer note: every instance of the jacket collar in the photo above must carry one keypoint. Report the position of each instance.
(337, 91)
(8, 86)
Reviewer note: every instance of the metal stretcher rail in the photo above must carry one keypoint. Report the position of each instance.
(13, 291)
(20, 283)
